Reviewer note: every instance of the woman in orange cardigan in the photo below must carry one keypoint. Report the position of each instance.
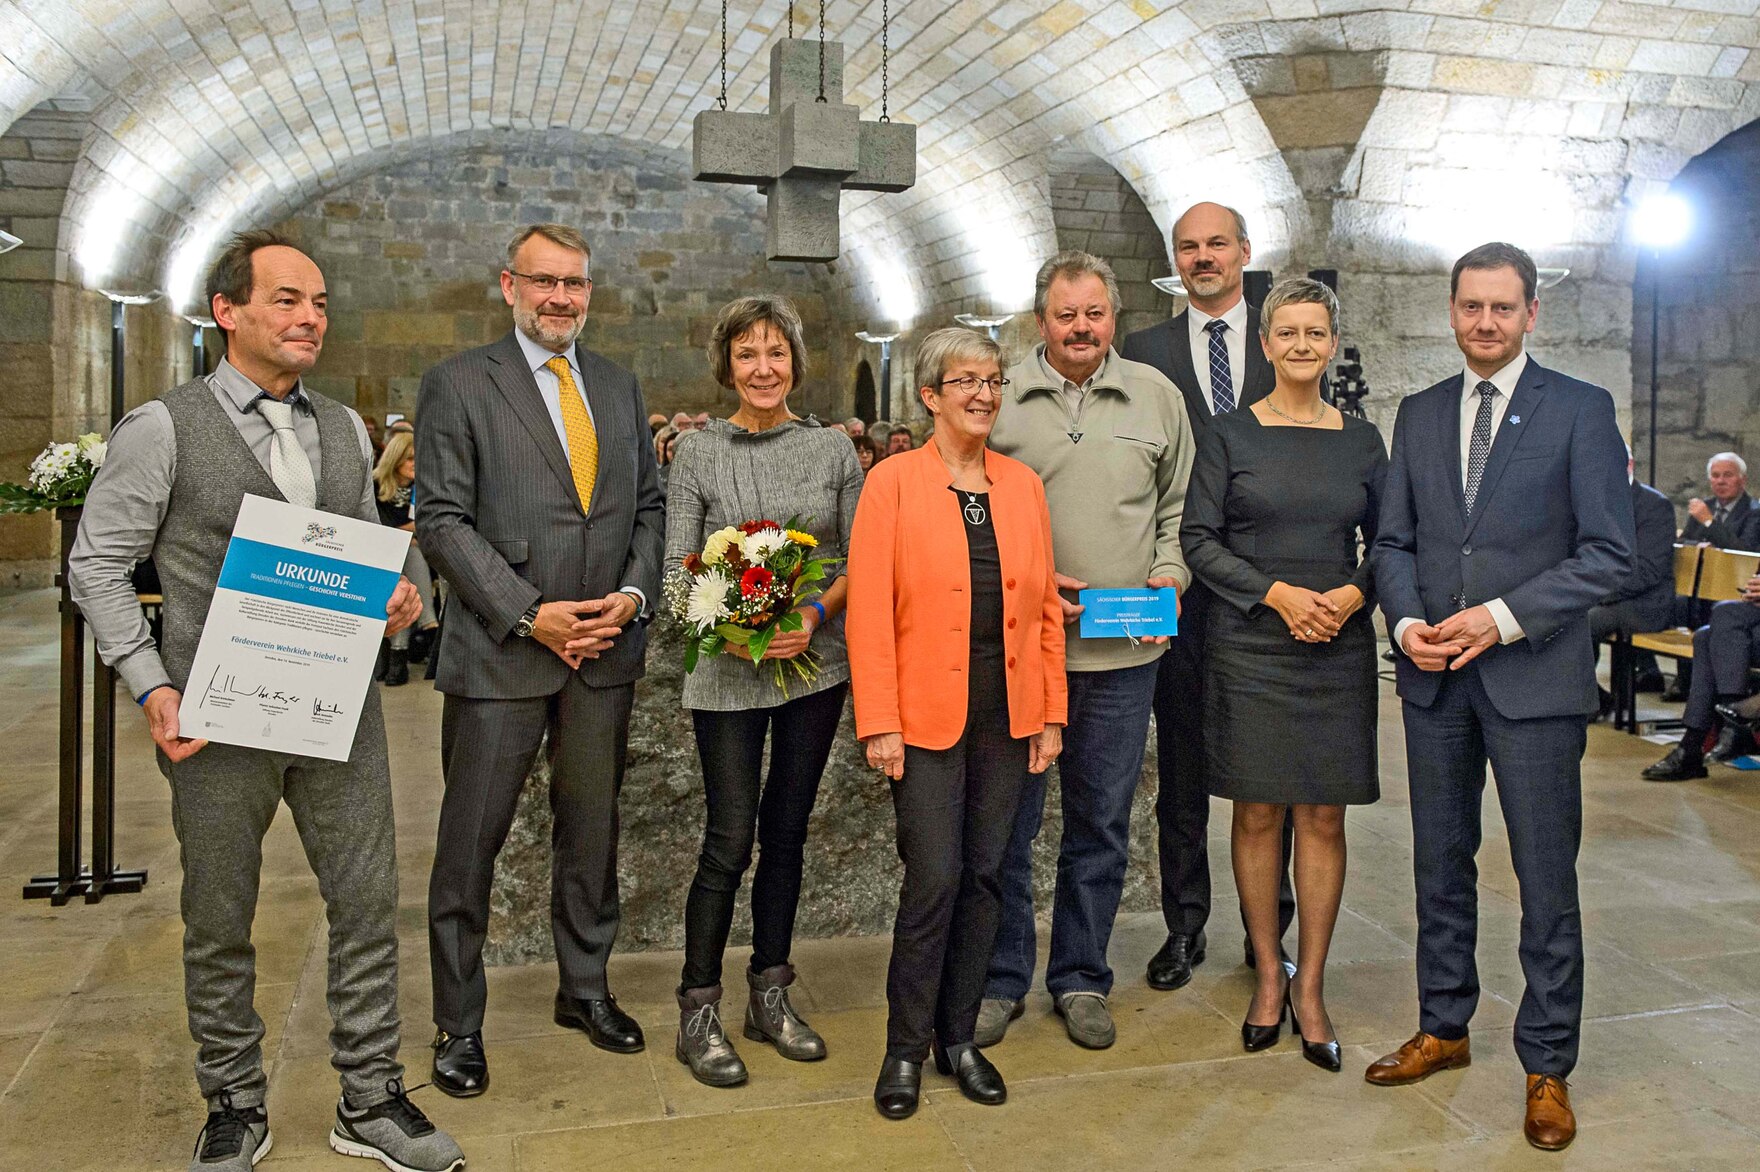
(956, 662)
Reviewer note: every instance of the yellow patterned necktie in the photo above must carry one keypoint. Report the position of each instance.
(583, 441)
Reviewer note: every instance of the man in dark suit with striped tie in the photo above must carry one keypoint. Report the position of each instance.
(1506, 517)
(538, 500)
(1211, 352)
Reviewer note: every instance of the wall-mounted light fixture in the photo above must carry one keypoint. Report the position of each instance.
(8, 241)
(989, 323)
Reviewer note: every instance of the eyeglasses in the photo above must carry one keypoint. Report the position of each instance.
(545, 283)
(971, 385)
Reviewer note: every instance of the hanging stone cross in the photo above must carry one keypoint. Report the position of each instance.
(804, 152)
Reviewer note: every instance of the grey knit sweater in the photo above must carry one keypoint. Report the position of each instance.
(726, 475)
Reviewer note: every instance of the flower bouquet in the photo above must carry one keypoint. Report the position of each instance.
(59, 477)
(744, 588)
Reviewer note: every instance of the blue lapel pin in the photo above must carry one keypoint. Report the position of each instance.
(1515, 418)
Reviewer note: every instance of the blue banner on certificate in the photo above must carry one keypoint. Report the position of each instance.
(287, 650)
(1129, 614)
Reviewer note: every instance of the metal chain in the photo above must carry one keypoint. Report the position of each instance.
(722, 100)
(791, 20)
(885, 20)
(821, 98)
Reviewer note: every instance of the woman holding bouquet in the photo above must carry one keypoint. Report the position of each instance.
(763, 462)
(956, 650)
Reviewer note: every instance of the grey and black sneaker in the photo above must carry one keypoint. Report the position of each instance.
(233, 1139)
(395, 1133)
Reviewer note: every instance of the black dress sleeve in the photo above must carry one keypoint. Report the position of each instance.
(1364, 578)
(1203, 533)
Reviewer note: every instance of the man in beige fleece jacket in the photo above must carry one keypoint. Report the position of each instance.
(1111, 441)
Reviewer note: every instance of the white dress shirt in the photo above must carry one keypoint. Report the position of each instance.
(1235, 338)
(1505, 380)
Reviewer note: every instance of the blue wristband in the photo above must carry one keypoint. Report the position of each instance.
(816, 606)
(142, 699)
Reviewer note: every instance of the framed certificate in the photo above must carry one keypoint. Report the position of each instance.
(1129, 614)
(286, 655)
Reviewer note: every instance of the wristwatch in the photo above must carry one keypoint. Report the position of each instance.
(523, 627)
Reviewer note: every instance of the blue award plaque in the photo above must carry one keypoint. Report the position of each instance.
(1129, 614)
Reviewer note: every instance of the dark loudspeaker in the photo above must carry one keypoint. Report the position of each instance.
(1256, 283)
(1327, 277)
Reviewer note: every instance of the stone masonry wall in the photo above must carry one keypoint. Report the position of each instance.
(412, 258)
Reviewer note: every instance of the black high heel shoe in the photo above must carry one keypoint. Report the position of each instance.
(898, 1087)
(979, 1080)
(1325, 1055)
(1258, 1037)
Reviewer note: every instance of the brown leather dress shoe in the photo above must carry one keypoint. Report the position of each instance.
(1551, 1124)
(1418, 1059)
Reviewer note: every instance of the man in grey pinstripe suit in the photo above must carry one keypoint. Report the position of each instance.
(537, 498)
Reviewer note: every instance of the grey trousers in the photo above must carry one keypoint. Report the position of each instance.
(487, 747)
(415, 568)
(223, 800)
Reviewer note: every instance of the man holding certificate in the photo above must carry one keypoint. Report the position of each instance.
(1111, 441)
(178, 473)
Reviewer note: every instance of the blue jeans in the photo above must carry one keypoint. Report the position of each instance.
(1101, 765)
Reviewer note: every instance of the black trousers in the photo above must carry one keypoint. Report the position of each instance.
(743, 805)
(487, 747)
(956, 810)
(1724, 648)
(1537, 764)
(1182, 804)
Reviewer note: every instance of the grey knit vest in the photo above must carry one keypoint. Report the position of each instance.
(215, 469)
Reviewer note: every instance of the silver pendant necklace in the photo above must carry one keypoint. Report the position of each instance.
(1292, 418)
(974, 510)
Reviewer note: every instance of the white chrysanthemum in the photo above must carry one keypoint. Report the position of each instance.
(760, 545)
(93, 447)
(707, 603)
(715, 549)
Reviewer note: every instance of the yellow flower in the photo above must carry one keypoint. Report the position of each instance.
(806, 539)
(715, 549)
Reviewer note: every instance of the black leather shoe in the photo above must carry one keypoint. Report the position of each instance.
(1740, 715)
(1649, 681)
(1325, 1055)
(1258, 1037)
(460, 1067)
(897, 1088)
(1676, 692)
(1171, 968)
(979, 1080)
(1732, 742)
(1675, 767)
(1252, 961)
(605, 1025)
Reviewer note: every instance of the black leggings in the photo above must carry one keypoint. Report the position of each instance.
(731, 748)
(956, 810)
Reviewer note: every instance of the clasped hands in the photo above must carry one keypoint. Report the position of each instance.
(583, 630)
(1454, 642)
(162, 703)
(1311, 615)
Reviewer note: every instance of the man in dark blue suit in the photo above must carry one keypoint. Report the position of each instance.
(1211, 249)
(1506, 517)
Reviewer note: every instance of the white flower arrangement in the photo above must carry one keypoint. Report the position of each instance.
(59, 477)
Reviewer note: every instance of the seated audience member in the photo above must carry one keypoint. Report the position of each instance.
(855, 426)
(699, 421)
(1728, 519)
(681, 421)
(1645, 601)
(867, 452)
(1725, 648)
(878, 431)
(837, 427)
(655, 422)
(665, 448)
(900, 440)
(394, 478)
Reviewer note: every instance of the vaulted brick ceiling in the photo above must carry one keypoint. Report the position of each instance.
(1408, 121)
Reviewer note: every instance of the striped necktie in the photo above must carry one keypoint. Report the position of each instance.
(1479, 449)
(1221, 380)
(583, 441)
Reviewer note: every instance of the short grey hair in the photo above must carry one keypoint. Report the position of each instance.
(560, 234)
(1069, 264)
(1727, 457)
(740, 317)
(1297, 291)
(949, 345)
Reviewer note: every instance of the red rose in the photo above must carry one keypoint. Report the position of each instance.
(755, 581)
(692, 563)
(751, 527)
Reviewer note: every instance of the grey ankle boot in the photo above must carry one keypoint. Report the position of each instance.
(702, 1043)
(770, 1018)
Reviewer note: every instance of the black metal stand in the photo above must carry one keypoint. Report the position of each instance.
(71, 877)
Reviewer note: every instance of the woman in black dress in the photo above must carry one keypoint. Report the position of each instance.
(1280, 493)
